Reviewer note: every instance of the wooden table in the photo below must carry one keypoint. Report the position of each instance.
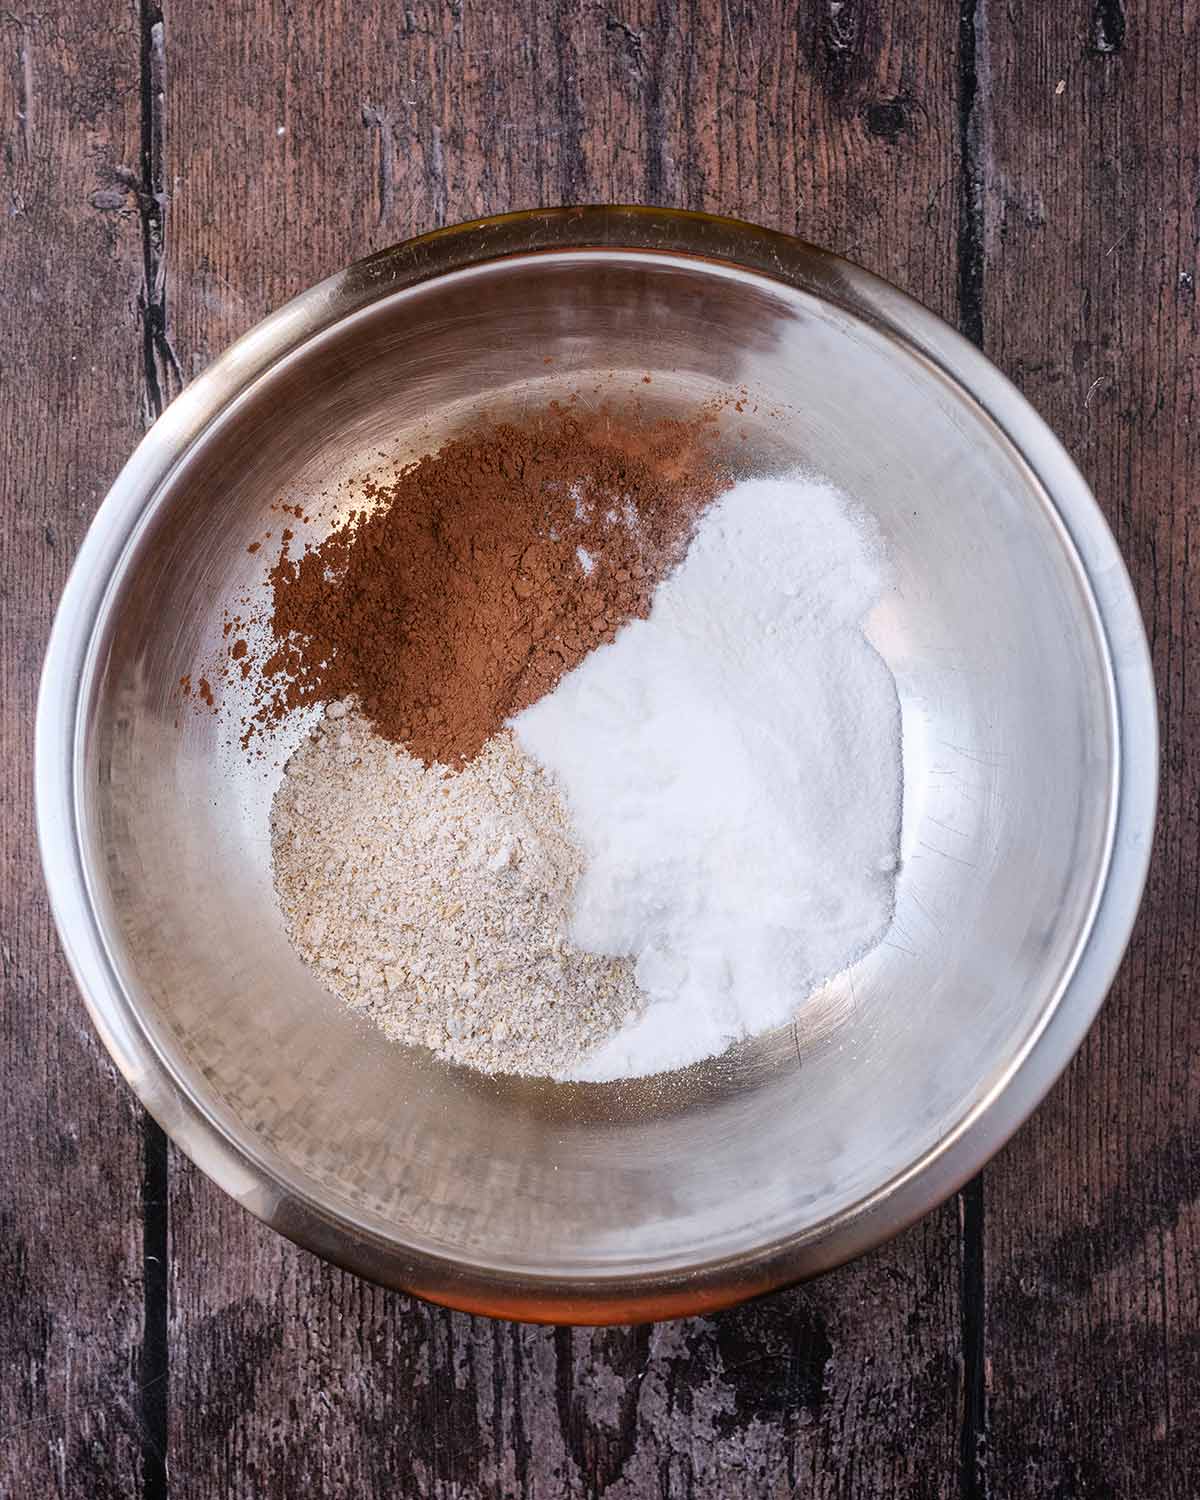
(1031, 171)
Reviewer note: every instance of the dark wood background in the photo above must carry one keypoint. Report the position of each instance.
(1031, 171)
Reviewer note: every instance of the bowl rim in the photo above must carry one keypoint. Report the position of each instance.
(282, 1201)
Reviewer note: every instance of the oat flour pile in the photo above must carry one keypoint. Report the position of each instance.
(607, 774)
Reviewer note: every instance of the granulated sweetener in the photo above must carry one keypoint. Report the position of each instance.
(731, 766)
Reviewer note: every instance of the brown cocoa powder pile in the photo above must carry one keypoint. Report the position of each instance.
(464, 589)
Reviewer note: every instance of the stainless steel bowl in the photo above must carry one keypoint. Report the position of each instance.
(1029, 762)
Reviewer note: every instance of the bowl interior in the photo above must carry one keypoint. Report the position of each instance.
(1009, 761)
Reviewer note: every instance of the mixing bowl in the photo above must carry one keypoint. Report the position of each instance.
(1029, 780)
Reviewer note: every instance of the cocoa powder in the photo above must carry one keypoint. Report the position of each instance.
(465, 588)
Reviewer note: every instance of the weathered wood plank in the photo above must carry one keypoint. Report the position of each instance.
(1089, 157)
(71, 407)
(290, 1378)
(297, 138)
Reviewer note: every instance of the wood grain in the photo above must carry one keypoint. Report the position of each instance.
(71, 407)
(296, 139)
(1088, 162)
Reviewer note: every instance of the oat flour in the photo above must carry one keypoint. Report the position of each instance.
(437, 902)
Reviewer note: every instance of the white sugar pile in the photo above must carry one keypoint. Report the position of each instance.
(731, 766)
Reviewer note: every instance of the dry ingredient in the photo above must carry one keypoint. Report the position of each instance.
(437, 902)
(462, 590)
(732, 770)
(728, 839)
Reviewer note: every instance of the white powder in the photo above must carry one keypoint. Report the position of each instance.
(732, 770)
